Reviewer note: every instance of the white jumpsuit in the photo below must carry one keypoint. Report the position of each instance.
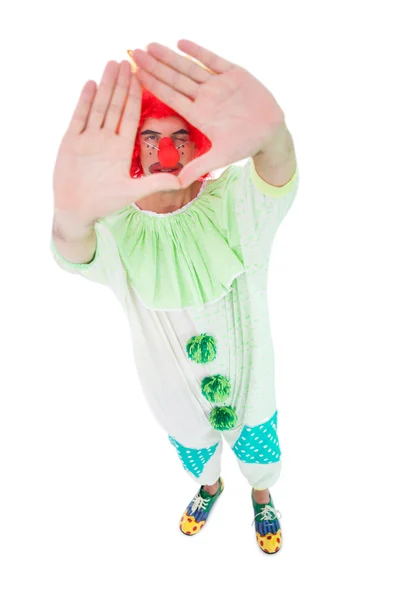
(201, 273)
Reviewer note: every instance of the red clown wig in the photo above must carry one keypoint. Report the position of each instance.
(153, 108)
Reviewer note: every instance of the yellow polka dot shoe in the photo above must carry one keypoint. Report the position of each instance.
(268, 529)
(198, 511)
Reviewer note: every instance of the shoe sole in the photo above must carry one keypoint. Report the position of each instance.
(266, 551)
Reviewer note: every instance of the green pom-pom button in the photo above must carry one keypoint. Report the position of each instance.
(216, 388)
(223, 417)
(201, 348)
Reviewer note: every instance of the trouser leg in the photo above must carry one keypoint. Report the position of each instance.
(258, 452)
(203, 464)
(261, 477)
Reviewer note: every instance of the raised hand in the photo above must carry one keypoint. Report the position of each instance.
(224, 101)
(91, 175)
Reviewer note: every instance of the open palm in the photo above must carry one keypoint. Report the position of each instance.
(224, 101)
(91, 176)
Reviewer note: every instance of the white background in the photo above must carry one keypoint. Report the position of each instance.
(91, 490)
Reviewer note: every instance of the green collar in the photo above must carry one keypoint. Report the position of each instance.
(185, 259)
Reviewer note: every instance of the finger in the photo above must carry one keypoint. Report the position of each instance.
(103, 96)
(131, 115)
(82, 110)
(133, 64)
(166, 94)
(198, 167)
(173, 78)
(183, 64)
(119, 97)
(208, 58)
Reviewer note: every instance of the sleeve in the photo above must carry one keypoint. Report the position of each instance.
(106, 266)
(276, 200)
(250, 210)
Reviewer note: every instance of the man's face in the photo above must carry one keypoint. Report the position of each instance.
(152, 131)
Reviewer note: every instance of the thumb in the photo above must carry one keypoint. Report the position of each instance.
(203, 164)
(151, 184)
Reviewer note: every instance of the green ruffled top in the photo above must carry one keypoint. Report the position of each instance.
(184, 259)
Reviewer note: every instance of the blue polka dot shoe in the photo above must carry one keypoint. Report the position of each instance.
(198, 511)
(268, 529)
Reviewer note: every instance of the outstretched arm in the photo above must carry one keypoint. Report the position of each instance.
(276, 162)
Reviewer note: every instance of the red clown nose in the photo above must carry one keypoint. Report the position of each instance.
(168, 155)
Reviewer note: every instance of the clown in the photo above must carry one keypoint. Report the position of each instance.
(186, 254)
